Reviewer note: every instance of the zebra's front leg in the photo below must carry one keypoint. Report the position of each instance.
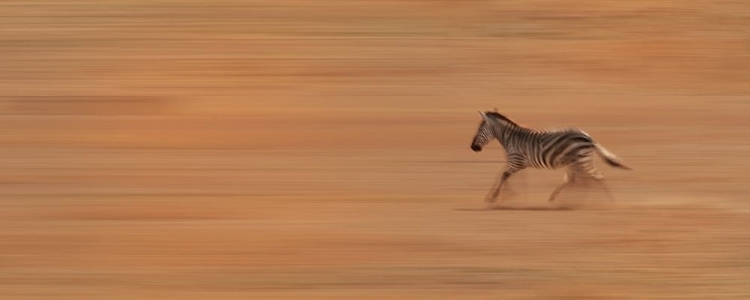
(516, 162)
(492, 195)
(503, 180)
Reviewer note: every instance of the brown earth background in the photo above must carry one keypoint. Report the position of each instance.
(294, 149)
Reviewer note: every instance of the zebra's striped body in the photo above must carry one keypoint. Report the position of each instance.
(569, 148)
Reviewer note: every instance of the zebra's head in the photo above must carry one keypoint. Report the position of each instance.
(485, 133)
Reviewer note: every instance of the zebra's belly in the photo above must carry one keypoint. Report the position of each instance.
(548, 167)
(554, 165)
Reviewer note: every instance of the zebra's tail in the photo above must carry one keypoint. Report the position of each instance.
(610, 158)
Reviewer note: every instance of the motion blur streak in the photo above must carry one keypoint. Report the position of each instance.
(291, 149)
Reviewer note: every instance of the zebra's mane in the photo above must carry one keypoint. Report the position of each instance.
(497, 115)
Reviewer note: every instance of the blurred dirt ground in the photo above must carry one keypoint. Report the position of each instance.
(320, 149)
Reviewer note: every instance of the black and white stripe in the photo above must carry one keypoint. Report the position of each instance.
(541, 149)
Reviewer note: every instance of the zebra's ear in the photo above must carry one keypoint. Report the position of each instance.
(484, 116)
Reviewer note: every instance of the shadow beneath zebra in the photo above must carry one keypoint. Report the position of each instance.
(528, 208)
(464, 161)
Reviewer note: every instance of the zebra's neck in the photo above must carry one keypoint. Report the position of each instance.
(504, 131)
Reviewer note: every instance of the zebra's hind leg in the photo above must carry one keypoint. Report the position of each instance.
(604, 186)
(570, 178)
(586, 165)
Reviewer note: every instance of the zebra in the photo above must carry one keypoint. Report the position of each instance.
(569, 148)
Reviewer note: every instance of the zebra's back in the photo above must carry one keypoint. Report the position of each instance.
(555, 148)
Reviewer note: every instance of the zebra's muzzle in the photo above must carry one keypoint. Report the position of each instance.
(476, 148)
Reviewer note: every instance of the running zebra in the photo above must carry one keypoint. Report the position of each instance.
(541, 149)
